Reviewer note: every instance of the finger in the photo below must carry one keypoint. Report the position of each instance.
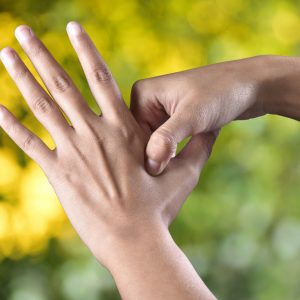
(197, 151)
(146, 108)
(38, 100)
(33, 146)
(163, 142)
(187, 166)
(99, 77)
(55, 78)
(141, 102)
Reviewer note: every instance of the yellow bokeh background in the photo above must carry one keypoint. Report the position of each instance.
(240, 227)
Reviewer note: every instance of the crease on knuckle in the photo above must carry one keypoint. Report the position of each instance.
(21, 74)
(83, 43)
(101, 74)
(61, 83)
(164, 139)
(42, 105)
(36, 49)
(28, 143)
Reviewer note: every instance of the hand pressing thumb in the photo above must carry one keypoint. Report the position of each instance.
(163, 142)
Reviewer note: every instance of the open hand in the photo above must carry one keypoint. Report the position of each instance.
(97, 167)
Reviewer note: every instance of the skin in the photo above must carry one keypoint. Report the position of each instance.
(97, 170)
(174, 106)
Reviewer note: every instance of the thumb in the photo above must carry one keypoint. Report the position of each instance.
(184, 170)
(197, 151)
(163, 142)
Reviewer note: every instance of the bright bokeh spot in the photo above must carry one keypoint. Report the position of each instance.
(9, 171)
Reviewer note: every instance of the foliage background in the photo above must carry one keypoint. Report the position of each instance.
(241, 225)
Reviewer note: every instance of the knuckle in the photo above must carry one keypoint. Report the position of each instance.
(21, 74)
(36, 49)
(83, 42)
(163, 138)
(142, 95)
(129, 135)
(71, 177)
(137, 85)
(92, 133)
(42, 105)
(162, 146)
(101, 74)
(137, 89)
(61, 83)
(28, 143)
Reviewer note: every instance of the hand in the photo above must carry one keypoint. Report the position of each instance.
(178, 105)
(97, 167)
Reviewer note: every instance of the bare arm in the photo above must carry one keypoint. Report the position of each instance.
(279, 88)
(153, 267)
(97, 170)
(174, 106)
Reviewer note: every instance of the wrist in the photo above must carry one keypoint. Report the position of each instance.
(279, 85)
(151, 266)
(133, 238)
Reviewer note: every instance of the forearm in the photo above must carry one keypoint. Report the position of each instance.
(153, 267)
(280, 88)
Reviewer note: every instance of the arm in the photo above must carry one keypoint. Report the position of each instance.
(174, 106)
(279, 86)
(97, 170)
(153, 267)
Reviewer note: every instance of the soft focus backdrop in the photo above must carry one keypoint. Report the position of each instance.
(241, 225)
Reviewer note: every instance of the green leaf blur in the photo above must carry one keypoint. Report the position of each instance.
(241, 225)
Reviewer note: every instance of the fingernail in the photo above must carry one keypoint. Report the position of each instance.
(153, 166)
(23, 33)
(73, 28)
(8, 55)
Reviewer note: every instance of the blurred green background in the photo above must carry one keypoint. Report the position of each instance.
(241, 225)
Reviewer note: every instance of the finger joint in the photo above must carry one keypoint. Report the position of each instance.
(61, 83)
(36, 49)
(21, 74)
(163, 141)
(42, 105)
(28, 143)
(101, 74)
